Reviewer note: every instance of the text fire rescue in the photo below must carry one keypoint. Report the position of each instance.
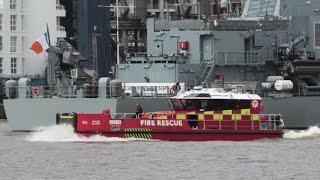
(161, 122)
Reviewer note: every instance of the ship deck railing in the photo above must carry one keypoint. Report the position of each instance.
(88, 92)
(258, 57)
(264, 122)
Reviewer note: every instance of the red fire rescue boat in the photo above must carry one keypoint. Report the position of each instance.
(206, 114)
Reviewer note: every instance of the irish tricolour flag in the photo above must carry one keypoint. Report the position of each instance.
(41, 44)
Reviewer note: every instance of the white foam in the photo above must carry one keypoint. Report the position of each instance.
(313, 131)
(4, 126)
(65, 133)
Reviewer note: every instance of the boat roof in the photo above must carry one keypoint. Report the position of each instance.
(215, 93)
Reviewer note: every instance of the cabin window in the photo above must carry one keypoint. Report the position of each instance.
(210, 105)
(225, 104)
(177, 104)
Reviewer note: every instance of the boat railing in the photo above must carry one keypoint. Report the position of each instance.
(252, 121)
(91, 91)
(245, 57)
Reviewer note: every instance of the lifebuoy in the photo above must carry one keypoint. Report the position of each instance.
(36, 91)
(173, 90)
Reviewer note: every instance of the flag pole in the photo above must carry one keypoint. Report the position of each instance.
(50, 68)
(48, 36)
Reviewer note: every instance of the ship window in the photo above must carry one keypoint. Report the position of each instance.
(177, 104)
(225, 104)
(317, 34)
(211, 104)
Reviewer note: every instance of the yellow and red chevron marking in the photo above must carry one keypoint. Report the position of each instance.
(235, 115)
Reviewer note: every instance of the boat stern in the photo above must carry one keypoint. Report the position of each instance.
(66, 118)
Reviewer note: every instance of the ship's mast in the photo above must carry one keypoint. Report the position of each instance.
(117, 26)
(118, 46)
(94, 53)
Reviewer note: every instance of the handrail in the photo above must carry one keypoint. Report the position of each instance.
(232, 58)
(211, 69)
(200, 67)
(229, 58)
(203, 67)
(92, 91)
(264, 121)
(249, 57)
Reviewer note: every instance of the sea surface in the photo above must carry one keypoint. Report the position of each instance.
(57, 153)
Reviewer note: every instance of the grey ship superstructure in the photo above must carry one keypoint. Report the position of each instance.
(271, 49)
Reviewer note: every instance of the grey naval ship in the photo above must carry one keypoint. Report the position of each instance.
(271, 48)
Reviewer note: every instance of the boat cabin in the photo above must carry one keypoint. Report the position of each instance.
(216, 100)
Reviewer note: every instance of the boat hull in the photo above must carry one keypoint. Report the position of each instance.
(104, 124)
(198, 135)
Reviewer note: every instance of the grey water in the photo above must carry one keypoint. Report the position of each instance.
(57, 153)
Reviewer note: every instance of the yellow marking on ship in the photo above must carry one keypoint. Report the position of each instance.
(138, 133)
(255, 117)
(162, 117)
(227, 112)
(181, 116)
(208, 112)
(217, 117)
(66, 117)
(236, 117)
(245, 111)
(200, 116)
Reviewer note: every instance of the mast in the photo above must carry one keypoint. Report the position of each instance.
(117, 26)
(94, 53)
(118, 46)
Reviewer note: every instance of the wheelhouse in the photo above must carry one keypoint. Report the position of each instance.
(216, 100)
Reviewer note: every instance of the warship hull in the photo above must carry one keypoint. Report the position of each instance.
(29, 114)
(297, 112)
